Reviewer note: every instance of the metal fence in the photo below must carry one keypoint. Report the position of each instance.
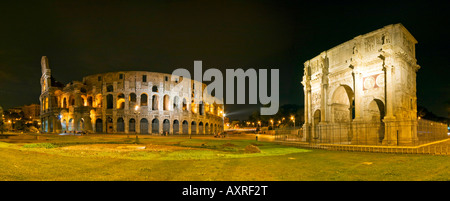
(399, 133)
(442, 148)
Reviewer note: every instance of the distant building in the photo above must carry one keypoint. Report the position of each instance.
(31, 112)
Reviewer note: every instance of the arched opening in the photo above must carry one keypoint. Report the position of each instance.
(200, 128)
(98, 126)
(64, 125)
(144, 99)
(132, 126)
(176, 127)
(176, 103)
(155, 102)
(144, 126)
(342, 104)
(89, 101)
(184, 104)
(166, 102)
(155, 126)
(375, 113)
(342, 111)
(83, 101)
(376, 110)
(194, 127)
(166, 126)
(154, 89)
(201, 108)
(71, 125)
(80, 125)
(65, 103)
(121, 101)
(120, 125)
(132, 100)
(109, 101)
(185, 127)
(207, 128)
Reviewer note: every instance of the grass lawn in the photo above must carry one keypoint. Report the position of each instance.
(103, 158)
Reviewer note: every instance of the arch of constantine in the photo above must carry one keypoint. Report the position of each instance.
(363, 91)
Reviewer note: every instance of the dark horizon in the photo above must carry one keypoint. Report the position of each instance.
(86, 38)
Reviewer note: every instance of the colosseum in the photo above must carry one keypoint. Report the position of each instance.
(127, 102)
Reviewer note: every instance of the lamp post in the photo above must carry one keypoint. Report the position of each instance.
(293, 119)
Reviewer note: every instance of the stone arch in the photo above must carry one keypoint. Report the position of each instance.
(98, 125)
(121, 101)
(143, 126)
(120, 125)
(132, 100)
(342, 104)
(166, 101)
(375, 110)
(89, 101)
(193, 127)
(64, 103)
(375, 113)
(185, 127)
(144, 99)
(176, 127)
(109, 101)
(176, 103)
(132, 125)
(64, 125)
(155, 126)
(200, 128)
(155, 102)
(201, 108)
(207, 129)
(155, 89)
(184, 104)
(166, 126)
(81, 125)
(71, 125)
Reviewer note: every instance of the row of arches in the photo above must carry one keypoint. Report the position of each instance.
(146, 127)
(119, 101)
(343, 110)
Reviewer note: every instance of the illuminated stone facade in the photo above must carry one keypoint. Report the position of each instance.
(369, 80)
(127, 102)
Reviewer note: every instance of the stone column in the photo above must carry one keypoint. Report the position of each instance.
(358, 95)
(391, 126)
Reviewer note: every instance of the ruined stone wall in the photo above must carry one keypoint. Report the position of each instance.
(130, 102)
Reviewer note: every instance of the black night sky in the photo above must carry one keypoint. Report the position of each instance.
(81, 38)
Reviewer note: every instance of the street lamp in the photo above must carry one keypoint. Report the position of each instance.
(293, 119)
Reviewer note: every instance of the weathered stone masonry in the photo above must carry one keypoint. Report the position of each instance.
(369, 81)
(127, 102)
